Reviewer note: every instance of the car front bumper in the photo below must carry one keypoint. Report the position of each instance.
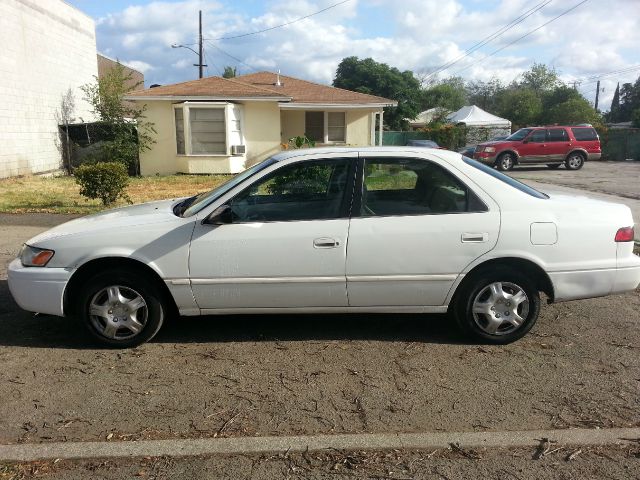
(38, 289)
(485, 157)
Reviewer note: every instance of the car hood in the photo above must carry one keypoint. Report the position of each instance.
(119, 218)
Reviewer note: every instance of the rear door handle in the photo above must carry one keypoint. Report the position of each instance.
(475, 237)
(325, 242)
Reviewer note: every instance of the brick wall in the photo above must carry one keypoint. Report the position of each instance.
(47, 48)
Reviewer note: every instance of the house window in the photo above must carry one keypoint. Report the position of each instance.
(208, 133)
(202, 130)
(314, 126)
(326, 127)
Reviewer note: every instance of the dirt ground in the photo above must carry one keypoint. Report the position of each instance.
(613, 463)
(276, 375)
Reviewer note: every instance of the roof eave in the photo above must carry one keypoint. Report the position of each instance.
(207, 98)
(334, 106)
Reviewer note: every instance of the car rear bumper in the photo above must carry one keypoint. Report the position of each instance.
(37, 289)
(594, 283)
(594, 156)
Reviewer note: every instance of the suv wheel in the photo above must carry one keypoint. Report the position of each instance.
(506, 161)
(574, 161)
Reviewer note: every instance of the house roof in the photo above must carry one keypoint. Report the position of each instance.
(209, 88)
(260, 86)
(303, 91)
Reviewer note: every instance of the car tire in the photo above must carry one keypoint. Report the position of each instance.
(121, 308)
(553, 166)
(484, 307)
(505, 161)
(575, 161)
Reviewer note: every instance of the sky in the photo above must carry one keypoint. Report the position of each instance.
(596, 39)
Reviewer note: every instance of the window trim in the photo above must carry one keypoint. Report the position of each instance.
(325, 136)
(186, 120)
(359, 184)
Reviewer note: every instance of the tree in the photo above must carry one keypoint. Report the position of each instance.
(371, 77)
(573, 111)
(130, 131)
(229, 72)
(635, 118)
(520, 105)
(614, 111)
(629, 100)
(485, 94)
(450, 94)
(540, 78)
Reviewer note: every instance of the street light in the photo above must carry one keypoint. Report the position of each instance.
(199, 65)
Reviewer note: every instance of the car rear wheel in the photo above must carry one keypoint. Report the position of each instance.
(497, 306)
(121, 309)
(553, 166)
(574, 161)
(506, 161)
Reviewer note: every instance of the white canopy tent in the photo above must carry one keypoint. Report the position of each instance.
(473, 116)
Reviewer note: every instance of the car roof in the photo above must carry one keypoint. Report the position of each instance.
(407, 151)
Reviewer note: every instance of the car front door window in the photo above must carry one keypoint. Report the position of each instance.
(301, 191)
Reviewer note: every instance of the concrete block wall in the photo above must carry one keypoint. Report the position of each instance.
(48, 47)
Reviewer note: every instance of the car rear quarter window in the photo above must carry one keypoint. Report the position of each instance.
(585, 134)
(556, 135)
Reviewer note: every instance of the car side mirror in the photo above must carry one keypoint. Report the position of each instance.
(222, 215)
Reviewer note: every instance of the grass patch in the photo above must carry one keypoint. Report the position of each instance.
(34, 194)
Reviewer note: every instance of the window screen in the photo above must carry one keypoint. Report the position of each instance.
(208, 133)
(336, 126)
(179, 130)
(314, 126)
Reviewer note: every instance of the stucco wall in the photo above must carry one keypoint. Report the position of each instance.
(47, 48)
(359, 127)
(292, 124)
(261, 130)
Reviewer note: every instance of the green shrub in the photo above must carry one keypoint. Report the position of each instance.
(106, 181)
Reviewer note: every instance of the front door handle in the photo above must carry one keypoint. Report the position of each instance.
(325, 242)
(475, 237)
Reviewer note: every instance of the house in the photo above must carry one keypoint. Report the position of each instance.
(48, 50)
(218, 125)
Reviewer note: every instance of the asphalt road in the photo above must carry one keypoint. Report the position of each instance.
(276, 375)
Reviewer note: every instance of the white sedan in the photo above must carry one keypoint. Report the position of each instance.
(334, 230)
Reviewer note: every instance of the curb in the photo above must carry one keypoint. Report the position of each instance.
(365, 441)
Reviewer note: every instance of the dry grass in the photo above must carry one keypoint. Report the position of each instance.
(33, 194)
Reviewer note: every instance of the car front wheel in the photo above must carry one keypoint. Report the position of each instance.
(121, 309)
(574, 161)
(506, 161)
(497, 306)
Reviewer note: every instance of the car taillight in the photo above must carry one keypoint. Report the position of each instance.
(625, 234)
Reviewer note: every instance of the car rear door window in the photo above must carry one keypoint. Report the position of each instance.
(394, 186)
(300, 191)
(556, 135)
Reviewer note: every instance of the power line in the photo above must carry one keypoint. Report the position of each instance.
(595, 78)
(282, 25)
(491, 37)
(210, 43)
(523, 36)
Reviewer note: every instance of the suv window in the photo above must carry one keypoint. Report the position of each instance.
(301, 191)
(538, 136)
(583, 134)
(556, 135)
(401, 186)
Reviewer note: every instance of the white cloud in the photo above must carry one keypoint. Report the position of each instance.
(420, 35)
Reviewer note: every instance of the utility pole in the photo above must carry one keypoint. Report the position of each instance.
(200, 65)
(597, 94)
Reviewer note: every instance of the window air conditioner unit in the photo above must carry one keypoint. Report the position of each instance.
(238, 149)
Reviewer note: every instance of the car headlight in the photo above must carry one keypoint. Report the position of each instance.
(35, 257)
(489, 149)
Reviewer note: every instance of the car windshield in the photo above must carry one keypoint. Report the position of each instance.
(193, 205)
(505, 178)
(520, 134)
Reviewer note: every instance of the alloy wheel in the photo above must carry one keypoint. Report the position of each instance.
(118, 312)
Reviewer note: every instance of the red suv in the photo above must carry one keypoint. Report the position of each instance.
(551, 145)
